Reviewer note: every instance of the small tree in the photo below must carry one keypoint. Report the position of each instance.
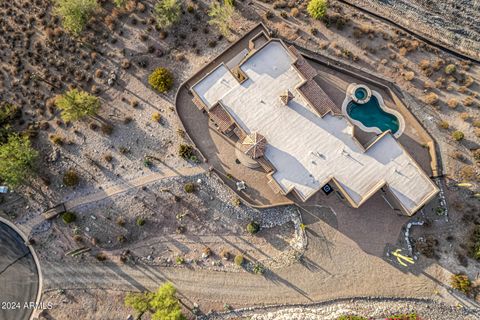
(75, 13)
(167, 12)
(317, 9)
(449, 69)
(163, 304)
(161, 79)
(16, 160)
(77, 104)
(221, 16)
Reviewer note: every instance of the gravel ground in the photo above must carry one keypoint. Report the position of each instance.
(372, 308)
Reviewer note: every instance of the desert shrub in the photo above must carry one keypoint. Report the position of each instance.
(294, 12)
(56, 139)
(427, 246)
(9, 112)
(239, 260)
(121, 238)
(108, 157)
(225, 254)
(71, 178)
(17, 159)
(449, 69)
(409, 75)
(120, 221)
(475, 250)
(253, 227)
(444, 124)
(465, 116)
(236, 201)
(221, 16)
(317, 9)
(75, 13)
(476, 154)
(167, 12)
(468, 101)
(106, 128)
(458, 135)
(461, 283)
(101, 256)
(76, 104)
(180, 260)
(258, 268)
(431, 98)
(476, 123)
(206, 252)
(185, 151)
(140, 221)
(424, 64)
(156, 117)
(69, 217)
(468, 173)
(161, 79)
(452, 103)
(189, 187)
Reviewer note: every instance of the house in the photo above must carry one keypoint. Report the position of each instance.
(269, 100)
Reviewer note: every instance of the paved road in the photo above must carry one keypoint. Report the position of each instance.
(18, 276)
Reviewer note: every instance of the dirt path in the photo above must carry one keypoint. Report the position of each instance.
(29, 225)
(334, 266)
(124, 186)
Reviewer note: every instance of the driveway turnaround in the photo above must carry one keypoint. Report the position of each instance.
(19, 279)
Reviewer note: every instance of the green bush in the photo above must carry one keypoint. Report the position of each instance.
(9, 112)
(317, 9)
(69, 217)
(189, 187)
(71, 178)
(239, 260)
(258, 268)
(253, 227)
(461, 283)
(167, 12)
(450, 69)
(75, 13)
(140, 221)
(180, 260)
(161, 79)
(185, 151)
(458, 135)
(17, 159)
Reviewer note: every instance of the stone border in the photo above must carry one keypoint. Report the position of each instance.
(325, 303)
(35, 258)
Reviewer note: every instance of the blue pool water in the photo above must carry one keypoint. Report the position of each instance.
(372, 115)
(361, 93)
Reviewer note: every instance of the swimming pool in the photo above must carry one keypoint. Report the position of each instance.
(371, 115)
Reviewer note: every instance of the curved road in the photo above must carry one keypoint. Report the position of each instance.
(19, 279)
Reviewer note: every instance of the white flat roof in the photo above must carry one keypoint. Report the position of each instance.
(307, 150)
(214, 85)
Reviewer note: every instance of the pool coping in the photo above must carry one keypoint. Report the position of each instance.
(379, 97)
(35, 259)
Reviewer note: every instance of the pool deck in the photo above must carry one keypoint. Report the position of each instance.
(220, 150)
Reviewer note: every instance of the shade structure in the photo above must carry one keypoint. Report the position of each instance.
(286, 97)
(254, 145)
